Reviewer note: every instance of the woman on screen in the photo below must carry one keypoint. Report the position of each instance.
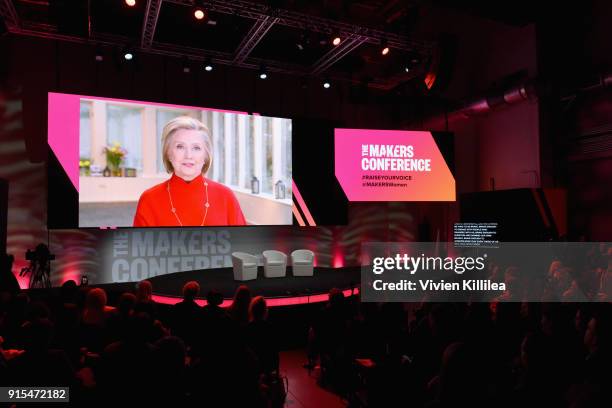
(187, 198)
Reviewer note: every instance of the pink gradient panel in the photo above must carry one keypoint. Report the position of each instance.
(297, 215)
(435, 185)
(63, 133)
(303, 205)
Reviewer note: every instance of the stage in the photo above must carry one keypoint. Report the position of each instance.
(287, 290)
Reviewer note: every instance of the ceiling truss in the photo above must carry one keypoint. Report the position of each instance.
(264, 18)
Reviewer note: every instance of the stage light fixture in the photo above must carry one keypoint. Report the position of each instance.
(199, 13)
(130, 3)
(326, 84)
(186, 67)
(263, 72)
(128, 55)
(302, 42)
(208, 66)
(384, 47)
(99, 55)
(411, 63)
(336, 40)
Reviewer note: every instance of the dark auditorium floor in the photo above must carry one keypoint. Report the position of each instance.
(303, 389)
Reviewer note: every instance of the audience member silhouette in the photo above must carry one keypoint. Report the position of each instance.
(239, 309)
(8, 281)
(40, 365)
(261, 336)
(144, 299)
(186, 315)
(119, 319)
(128, 368)
(93, 320)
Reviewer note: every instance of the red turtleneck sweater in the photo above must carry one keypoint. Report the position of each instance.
(154, 209)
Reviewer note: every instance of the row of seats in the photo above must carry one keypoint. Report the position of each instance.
(275, 264)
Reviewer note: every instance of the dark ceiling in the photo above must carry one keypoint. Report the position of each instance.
(295, 42)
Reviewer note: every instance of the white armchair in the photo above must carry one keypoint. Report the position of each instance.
(302, 261)
(245, 266)
(275, 264)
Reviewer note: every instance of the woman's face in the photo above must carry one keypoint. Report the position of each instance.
(187, 154)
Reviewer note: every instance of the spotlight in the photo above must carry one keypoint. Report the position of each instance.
(199, 14)
(99, 54)
(128, 55)
(384, 47)
(130, 3)
(336, 40)
(186, 68)
(208, 66)
(411, 62)
(326, 84)
(302, 42)
(263, 73)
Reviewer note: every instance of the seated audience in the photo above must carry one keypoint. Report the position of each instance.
(185, 315)
(239, 309)
(144, 299)
(119, 319)
(93, 333)
(261, 337)
(39, 364)
(127, 368)
(501, 353)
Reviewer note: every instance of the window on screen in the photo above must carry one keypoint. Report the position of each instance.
(218, 131)
(235, 150)
(286, 156)
(267, 171)
(85, 130)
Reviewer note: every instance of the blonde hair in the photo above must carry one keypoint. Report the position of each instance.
(189, 123)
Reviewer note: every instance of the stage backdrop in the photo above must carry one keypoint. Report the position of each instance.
(127, 255)
(89, 251)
